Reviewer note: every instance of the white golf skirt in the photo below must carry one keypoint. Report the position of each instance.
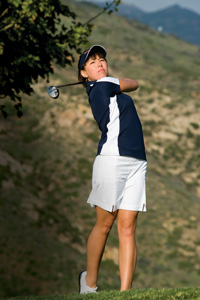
(118, 182)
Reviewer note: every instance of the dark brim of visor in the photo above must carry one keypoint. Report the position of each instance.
(93, 49)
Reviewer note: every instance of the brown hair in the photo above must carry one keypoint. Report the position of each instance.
(80, 77)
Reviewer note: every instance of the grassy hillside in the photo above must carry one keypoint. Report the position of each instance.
(46, 162)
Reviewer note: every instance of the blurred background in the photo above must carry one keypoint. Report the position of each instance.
(46, 157)
(156, 5)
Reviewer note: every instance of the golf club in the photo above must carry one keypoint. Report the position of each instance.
(53, 91)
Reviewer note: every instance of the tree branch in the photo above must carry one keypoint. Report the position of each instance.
(6, 27)
(102, 12)
(3, 13)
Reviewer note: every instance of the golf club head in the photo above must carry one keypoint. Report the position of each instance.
(53, 92)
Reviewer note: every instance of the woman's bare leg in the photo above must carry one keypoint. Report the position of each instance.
(96, 243)
(127, 221)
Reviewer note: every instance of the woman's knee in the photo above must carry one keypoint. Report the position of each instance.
(105, 220)
(104, 227)
(125, 230)
(127, 225)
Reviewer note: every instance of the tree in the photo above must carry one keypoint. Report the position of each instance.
(32, 38)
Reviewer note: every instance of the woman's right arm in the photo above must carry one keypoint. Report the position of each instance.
(128, 85)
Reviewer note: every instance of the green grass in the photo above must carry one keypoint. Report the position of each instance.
(143, 294)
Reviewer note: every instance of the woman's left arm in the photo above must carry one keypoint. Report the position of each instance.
(128, 85)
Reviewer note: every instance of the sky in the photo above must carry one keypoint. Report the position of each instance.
(153, 5)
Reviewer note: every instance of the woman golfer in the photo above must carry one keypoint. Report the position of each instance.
(119, 170)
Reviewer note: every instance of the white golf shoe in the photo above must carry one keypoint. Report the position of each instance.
(83, 287)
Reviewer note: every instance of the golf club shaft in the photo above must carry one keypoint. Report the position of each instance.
(59, 86)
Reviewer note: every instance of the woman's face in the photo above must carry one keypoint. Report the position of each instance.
(95, 68)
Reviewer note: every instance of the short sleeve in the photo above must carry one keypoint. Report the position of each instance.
(100, 94)
(109, 86)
